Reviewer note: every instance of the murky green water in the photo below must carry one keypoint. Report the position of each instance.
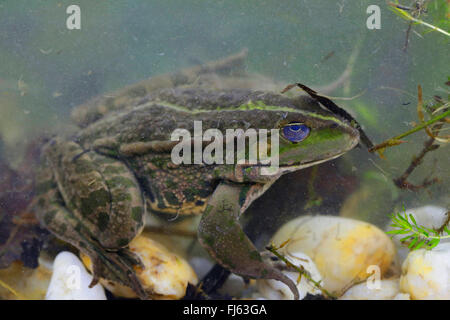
(46, 70)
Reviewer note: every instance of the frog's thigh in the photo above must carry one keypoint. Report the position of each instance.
(127, 207)
(101, 192)
(52, 213)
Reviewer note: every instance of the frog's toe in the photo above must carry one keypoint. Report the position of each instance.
(132, 257)
(119, 267)
(95, 272)
(280, 276)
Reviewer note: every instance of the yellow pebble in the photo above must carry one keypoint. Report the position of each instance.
(343, 249)
(166, 275)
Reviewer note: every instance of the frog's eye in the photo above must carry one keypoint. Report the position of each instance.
(295, 132)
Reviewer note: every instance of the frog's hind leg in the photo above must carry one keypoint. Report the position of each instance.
(94, 203)
(116, 266)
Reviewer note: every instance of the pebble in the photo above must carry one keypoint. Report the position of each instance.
(165, 276)
(426, 273)
(236, 287)
(343, 249)
(24, 283)
(70, 280)
(201, 265)
(402, 296)
(428, 216)
(384, 290)
(276, 290)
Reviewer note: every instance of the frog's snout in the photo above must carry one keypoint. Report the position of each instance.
(352, 137)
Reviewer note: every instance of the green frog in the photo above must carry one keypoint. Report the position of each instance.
(95, 186)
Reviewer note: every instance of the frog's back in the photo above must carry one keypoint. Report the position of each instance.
(155, 117)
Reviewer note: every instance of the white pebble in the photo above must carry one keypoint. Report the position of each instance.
(426, 273)
(201, 266)
(276, 290)
(382, 290)
(70, 280)
(234, 286)
(402, 296)
(429, 216)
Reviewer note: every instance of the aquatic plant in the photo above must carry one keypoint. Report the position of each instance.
(418, 236)
(439, 113)
(300, 269)
(413, 12)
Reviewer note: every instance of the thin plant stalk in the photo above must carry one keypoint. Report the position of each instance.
(409, 17)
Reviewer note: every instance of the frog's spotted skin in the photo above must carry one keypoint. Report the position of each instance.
(88, 200)
(103, 192)
(95, 187)
(174, 189)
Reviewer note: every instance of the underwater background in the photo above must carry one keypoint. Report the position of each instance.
(46, 70)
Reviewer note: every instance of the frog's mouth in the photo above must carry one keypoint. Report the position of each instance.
(291, 167)
(294, 167)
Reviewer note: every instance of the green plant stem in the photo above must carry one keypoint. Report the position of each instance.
(411, 18)
(407, 133)
(429, 236)
(424, 124)
(301, 271)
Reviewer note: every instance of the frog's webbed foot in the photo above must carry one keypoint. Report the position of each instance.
(118, 266)
(111, 265)
(131, 257)
(220, 233)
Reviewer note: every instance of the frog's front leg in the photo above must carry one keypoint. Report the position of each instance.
(94, 203)
(221, 234)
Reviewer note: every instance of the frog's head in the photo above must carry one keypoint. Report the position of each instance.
(307, 135)
(309, 139)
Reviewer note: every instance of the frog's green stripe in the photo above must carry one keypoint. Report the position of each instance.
(250, 105)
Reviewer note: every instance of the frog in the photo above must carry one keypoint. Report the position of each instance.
(96, 186)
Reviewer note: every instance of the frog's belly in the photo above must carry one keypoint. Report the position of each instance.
(181, 190)
(187, 208)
